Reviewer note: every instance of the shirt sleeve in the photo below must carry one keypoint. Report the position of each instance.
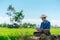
(48, 25)
(41, 26)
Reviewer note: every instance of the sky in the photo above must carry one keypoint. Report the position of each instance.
(32, 10)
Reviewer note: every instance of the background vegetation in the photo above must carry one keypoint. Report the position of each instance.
(15, 33)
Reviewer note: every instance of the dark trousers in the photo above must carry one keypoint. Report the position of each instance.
(46, 32)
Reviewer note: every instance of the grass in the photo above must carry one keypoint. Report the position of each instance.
(55, 31)
(7, 33)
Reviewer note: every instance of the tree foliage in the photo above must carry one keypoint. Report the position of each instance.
(14, 15)
(18, 16)
(28, 25)
(10, 10)
(4, 25)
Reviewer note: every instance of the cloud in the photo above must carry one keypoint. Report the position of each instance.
(55, 22)
(34, 21)
(38, 21)
(4, 20)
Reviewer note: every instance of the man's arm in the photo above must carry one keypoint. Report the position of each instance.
(48, 25)
(41, 26)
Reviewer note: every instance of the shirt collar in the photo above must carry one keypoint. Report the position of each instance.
(45, 22)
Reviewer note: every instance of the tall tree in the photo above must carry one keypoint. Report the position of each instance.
(14, 16)
(10, 12)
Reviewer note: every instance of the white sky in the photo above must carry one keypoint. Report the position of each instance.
(35, 21)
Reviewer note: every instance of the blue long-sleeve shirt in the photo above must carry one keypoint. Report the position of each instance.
(45, 25)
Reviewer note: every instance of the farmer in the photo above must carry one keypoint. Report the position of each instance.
(45, 25)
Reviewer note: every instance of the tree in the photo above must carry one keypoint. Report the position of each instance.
(28, 25)
(18, 16)
(4, 25)
(14, 16)
(10, 12)
(24, 25)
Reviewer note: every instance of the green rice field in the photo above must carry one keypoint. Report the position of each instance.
(7, 33)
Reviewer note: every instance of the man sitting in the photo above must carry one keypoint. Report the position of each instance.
(45, 26)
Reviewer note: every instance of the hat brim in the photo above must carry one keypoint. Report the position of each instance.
(43, 16)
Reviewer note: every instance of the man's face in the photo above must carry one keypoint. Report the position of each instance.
(43, 19)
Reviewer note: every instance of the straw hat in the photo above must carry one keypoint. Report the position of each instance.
(43, 16)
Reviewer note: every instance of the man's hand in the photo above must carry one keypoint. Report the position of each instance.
(39, 29)
(47, 29)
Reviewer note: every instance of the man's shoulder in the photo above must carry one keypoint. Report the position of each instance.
(41, 22)
(47, 21)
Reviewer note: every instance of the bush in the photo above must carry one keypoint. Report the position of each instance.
(13, 26)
